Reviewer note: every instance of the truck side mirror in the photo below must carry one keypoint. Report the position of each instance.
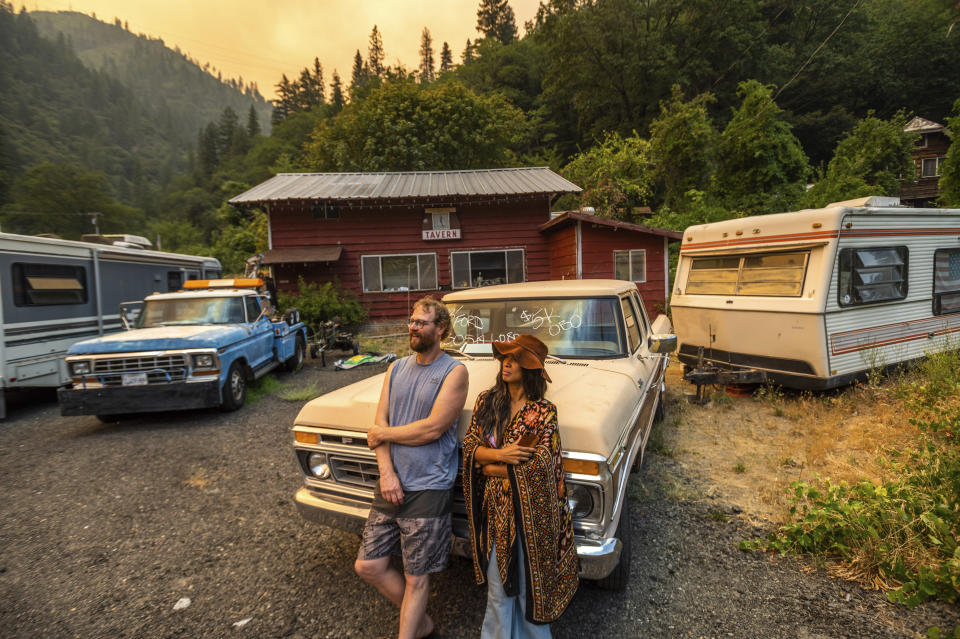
(662, 343)
(129, 313)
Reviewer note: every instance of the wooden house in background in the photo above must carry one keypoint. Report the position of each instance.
(394, 237)
(585, 246)
(929, 151)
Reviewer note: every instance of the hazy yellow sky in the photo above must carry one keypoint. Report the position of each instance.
(260, 40)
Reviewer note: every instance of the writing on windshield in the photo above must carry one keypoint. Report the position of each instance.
(569, 327)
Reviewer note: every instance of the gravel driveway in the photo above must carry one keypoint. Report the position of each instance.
(107, 527)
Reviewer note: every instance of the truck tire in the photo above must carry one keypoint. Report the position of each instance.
(617, 580)
(295, 361)
(234, 389)
(661, 411)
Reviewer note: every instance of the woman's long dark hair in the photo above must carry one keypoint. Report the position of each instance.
(494, 413)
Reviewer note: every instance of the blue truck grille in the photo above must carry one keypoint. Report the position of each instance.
(160, 369)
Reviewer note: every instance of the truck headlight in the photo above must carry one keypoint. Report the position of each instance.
(583, 500)
(204, 360)
(80, 368)
(317, 463)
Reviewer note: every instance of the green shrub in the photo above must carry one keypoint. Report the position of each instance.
(318, 303)
(903, 532)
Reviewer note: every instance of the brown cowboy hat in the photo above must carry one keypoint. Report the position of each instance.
(529, 352)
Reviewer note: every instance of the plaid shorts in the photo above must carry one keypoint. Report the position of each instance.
(423, 542)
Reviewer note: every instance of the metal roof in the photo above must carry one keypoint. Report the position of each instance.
(570, 216)
(302, 255)
(412, 184)
(923, 125)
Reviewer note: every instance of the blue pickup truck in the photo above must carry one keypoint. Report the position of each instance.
(194, 348)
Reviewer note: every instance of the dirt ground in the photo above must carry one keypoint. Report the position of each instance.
(749, 449)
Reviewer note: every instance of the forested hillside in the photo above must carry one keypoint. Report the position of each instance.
(181, 93)
(699, 110)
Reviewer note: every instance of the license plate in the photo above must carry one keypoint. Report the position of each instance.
(134, 379)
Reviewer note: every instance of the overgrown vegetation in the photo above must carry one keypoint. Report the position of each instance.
(900, 533)
(318, 303)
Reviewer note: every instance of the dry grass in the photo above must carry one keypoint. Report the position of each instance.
(750, 449)
(392, 343)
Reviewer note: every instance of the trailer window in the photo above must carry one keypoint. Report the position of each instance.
(872, 275)
(946, 281)
(49, 284)
(779, 274)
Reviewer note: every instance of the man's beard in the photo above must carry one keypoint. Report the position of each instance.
(424, 343)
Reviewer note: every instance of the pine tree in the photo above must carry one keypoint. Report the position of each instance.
(304, 91)
(495, 19)
(446, 58)
(319, 96)
(426, 57)
(467, 54)
(226, 127)
(375, 53)
(207, 149)
(253, 122)
(358, 76)
(336, 92)
(283, 105)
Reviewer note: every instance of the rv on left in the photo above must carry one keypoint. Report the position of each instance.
(54, 293)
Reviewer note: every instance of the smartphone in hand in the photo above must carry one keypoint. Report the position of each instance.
(528, 440)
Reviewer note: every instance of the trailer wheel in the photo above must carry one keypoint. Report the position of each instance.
(234, 389)
(295, 361)
(617, 580)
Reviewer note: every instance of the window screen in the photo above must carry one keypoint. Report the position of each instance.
(630, 265)
(417, 272)
(486, 268)
(872, 275)
(946, 281)
(49, 284)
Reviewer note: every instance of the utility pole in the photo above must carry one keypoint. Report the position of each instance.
(94, 216)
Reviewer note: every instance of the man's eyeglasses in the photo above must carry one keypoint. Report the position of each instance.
(419, 323)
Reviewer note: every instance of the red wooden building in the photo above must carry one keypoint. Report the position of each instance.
(394, 237)
(584, 246)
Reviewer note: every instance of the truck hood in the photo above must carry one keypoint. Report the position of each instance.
(162, 338)
(593, 401)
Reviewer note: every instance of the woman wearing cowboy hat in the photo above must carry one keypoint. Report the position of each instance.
(520, 525)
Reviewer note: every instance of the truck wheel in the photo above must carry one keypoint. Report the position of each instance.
(295, 361)
(617, 580)
(234, 389)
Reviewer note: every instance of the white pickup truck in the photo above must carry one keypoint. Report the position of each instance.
(607, 367)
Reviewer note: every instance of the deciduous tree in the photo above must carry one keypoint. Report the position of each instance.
(616, 175)
(950, 168)
(761, 167)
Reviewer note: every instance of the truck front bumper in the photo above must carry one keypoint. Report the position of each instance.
(118, 400)
(598, 557)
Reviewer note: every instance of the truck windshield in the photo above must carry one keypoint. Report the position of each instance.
(582, 327)
(198, 310)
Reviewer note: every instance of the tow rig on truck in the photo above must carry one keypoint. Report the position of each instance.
(194, 348)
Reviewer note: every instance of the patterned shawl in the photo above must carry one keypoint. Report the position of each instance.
(536, 492)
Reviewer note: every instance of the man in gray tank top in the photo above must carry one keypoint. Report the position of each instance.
(414, 436)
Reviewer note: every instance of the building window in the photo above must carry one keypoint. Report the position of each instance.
(174, 280)
(922, 142)
(630, 265)
(485, 268)
(946, 281)
(49, 284)
(412, 272)
(930, 167)
(872, 275)
(326, 211)
(771, 274)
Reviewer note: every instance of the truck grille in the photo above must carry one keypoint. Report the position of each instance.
(355, 471)
(160, 369)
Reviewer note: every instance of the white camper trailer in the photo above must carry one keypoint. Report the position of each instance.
(817, 298)
(56, 292)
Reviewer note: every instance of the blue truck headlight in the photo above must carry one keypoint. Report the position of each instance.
(204, 360)
(80, 368)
